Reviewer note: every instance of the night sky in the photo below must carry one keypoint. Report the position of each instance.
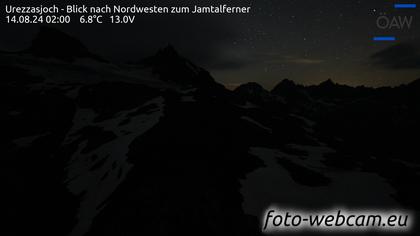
(307, 41)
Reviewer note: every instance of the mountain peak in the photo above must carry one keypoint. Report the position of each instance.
(171, 66)
(165, 55)
(283, 86)
(253, 92)
(327, 83)
(287, 82)
(251, 88)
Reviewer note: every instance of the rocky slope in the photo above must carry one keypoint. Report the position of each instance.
(160, 148)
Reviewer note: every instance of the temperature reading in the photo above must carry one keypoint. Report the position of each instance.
(91, 19)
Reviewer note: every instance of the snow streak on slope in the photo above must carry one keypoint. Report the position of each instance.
(249, 119)
(95, 180)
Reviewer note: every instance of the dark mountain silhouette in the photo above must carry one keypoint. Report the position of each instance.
(172, 67)
(285, 86)
(252, 89)
(52, 43)
(415, 85)
(254, 93)
(294, 95)
(167, 150)
(328, 90)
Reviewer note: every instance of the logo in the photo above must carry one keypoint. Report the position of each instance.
(397, 22)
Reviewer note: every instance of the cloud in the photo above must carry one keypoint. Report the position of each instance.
(306, 61)
(228, 64)
(398, 57)
(281, 60)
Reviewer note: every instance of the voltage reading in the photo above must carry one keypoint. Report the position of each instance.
(117, 19)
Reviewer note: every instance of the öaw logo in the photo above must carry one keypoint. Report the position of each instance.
(399, 22)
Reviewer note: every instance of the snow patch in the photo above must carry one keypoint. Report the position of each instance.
(249, 105)
(98, 184)
(273, 184)
(188, 99)
(256, 123)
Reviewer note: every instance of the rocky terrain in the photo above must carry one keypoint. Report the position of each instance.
(160, 148)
